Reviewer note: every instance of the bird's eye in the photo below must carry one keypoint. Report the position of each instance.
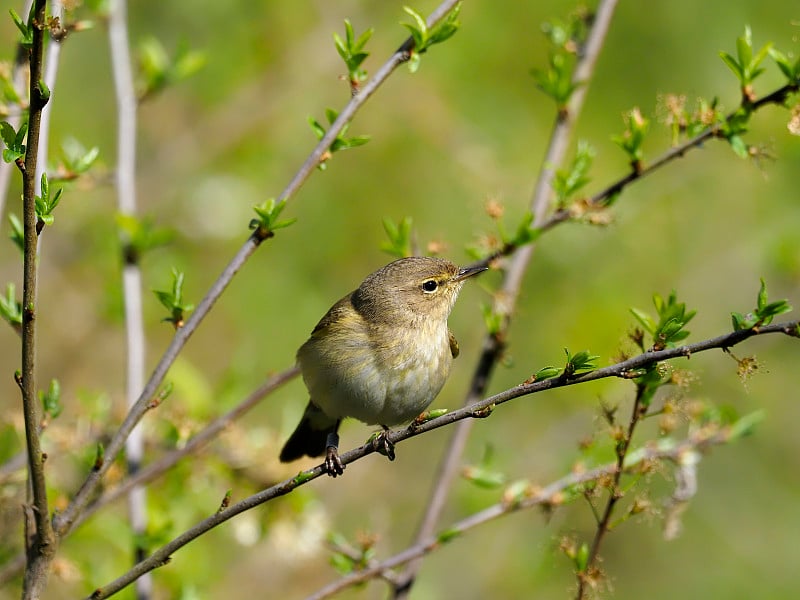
(430, 285)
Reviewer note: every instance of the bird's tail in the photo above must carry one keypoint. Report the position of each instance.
(311, 435)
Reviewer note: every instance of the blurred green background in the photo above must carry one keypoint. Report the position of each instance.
(468, 127)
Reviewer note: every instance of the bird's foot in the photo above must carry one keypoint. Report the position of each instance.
(382, 444)
(333, 464)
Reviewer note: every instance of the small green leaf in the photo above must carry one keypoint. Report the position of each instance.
(582, 558)
(51, 400)
(547, 373)
(10, 308)
(17, 234)
(762, 296)
(400, 237)
(644, 319)
(173, 300)
(745, 425)
(483, 478)
(448, 535)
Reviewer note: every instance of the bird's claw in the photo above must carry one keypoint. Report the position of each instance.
(333, 464)
(383, 445)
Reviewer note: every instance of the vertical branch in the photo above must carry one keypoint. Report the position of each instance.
(131, 273)
(41, 542)
(507, 296)
(590, 573)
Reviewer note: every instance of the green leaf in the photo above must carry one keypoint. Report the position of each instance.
(762, 296)
(745, 425)
(547, 373)
(581, 361)
(51, 400)
(10, 309)
(483, 477)
(447, 535)
(644, 319)
(15, 149)
(582, 558)
(400, 237)
(267, 221)
(17, 234)
(173, 300)
(424, 38)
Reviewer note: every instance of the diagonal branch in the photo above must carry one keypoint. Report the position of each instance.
(155, 469)
(64, 521)
(665, 450)
(494, 343)
(625, 369)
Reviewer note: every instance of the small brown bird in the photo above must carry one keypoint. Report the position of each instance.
(381, 354)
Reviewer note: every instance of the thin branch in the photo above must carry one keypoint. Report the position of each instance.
(615, 495)
(712, 132)
(131, 272)
(506, 299)
(665, 450)
(625, 370)
(154, 470)
(42, 542)
(64, 521)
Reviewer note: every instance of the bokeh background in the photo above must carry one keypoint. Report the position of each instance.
(468, 127)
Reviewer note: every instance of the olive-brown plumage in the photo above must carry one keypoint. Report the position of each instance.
(381, 354)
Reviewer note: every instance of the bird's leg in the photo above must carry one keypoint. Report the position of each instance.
(333, 464)
(382, 444)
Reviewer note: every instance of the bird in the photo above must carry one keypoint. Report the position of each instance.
(380, 355)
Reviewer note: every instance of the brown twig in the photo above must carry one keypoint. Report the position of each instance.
(623, 370)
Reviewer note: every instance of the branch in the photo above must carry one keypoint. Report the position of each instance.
(665, 450)
(152, 471)
(65, 520)
(494, 344)
(623, 370)
(41, 542)
(131, 272)
(714, 131)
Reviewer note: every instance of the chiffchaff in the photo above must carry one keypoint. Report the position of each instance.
(380, 354)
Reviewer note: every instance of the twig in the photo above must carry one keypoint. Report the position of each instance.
(666, 449)
(152, 471)
(494, 343)
(623, 370)
(623, 445)
(600, 198)
(131, 272)
(42, 546)
(65, 520)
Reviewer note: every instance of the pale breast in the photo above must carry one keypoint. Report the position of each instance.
(385, 383)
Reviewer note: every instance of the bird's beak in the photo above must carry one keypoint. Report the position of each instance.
(465, 272)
